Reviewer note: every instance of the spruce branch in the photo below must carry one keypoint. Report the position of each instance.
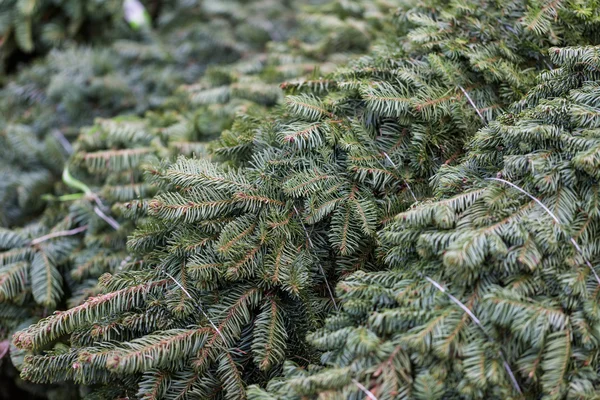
(62, 322)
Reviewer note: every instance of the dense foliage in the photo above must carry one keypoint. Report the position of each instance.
(81, 233)
(492, 290)
(29, 27)
(55, 97)
(234, 263)
(106, 167)
(427, 243)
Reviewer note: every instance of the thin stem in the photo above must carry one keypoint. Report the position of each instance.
(63, 141)
(65, 197)
(480, 326)
(197, 303)
(74, 183)
(53, 235)
(109, 220)
(405, 181)
(366, 391)
(457, 302)
(472, 104)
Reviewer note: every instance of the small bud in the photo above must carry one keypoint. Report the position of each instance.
(113, 362)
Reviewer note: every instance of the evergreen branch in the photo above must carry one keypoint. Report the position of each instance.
(555, 218)
(311, 246)
(159, 350)
(233, 382)
(46, 280)
(192, 173)
(61, 323)
(13, 278)
(307, 107)
(480, 326)
(269, 344)
(116, 160)
(226, 246)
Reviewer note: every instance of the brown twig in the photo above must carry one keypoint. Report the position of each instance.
(53, 235)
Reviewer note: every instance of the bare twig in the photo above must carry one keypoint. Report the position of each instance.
(472, 104)
(53, 235)
(456, 301)
(74, 183)
(63, 141)
(366, 391)
(109, 220)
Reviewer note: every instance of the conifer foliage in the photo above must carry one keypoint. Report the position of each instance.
(82, 216)
(44, 105)
(234, 263)
(105, 169)
(113, 168)
(492, 290)
(34, 26)
(422, 256)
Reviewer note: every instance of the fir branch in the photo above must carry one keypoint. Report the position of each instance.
(61, 323)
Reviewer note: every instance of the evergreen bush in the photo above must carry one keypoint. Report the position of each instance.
(492, 288)
(82, 231)
(235, 262)
(45, 105)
